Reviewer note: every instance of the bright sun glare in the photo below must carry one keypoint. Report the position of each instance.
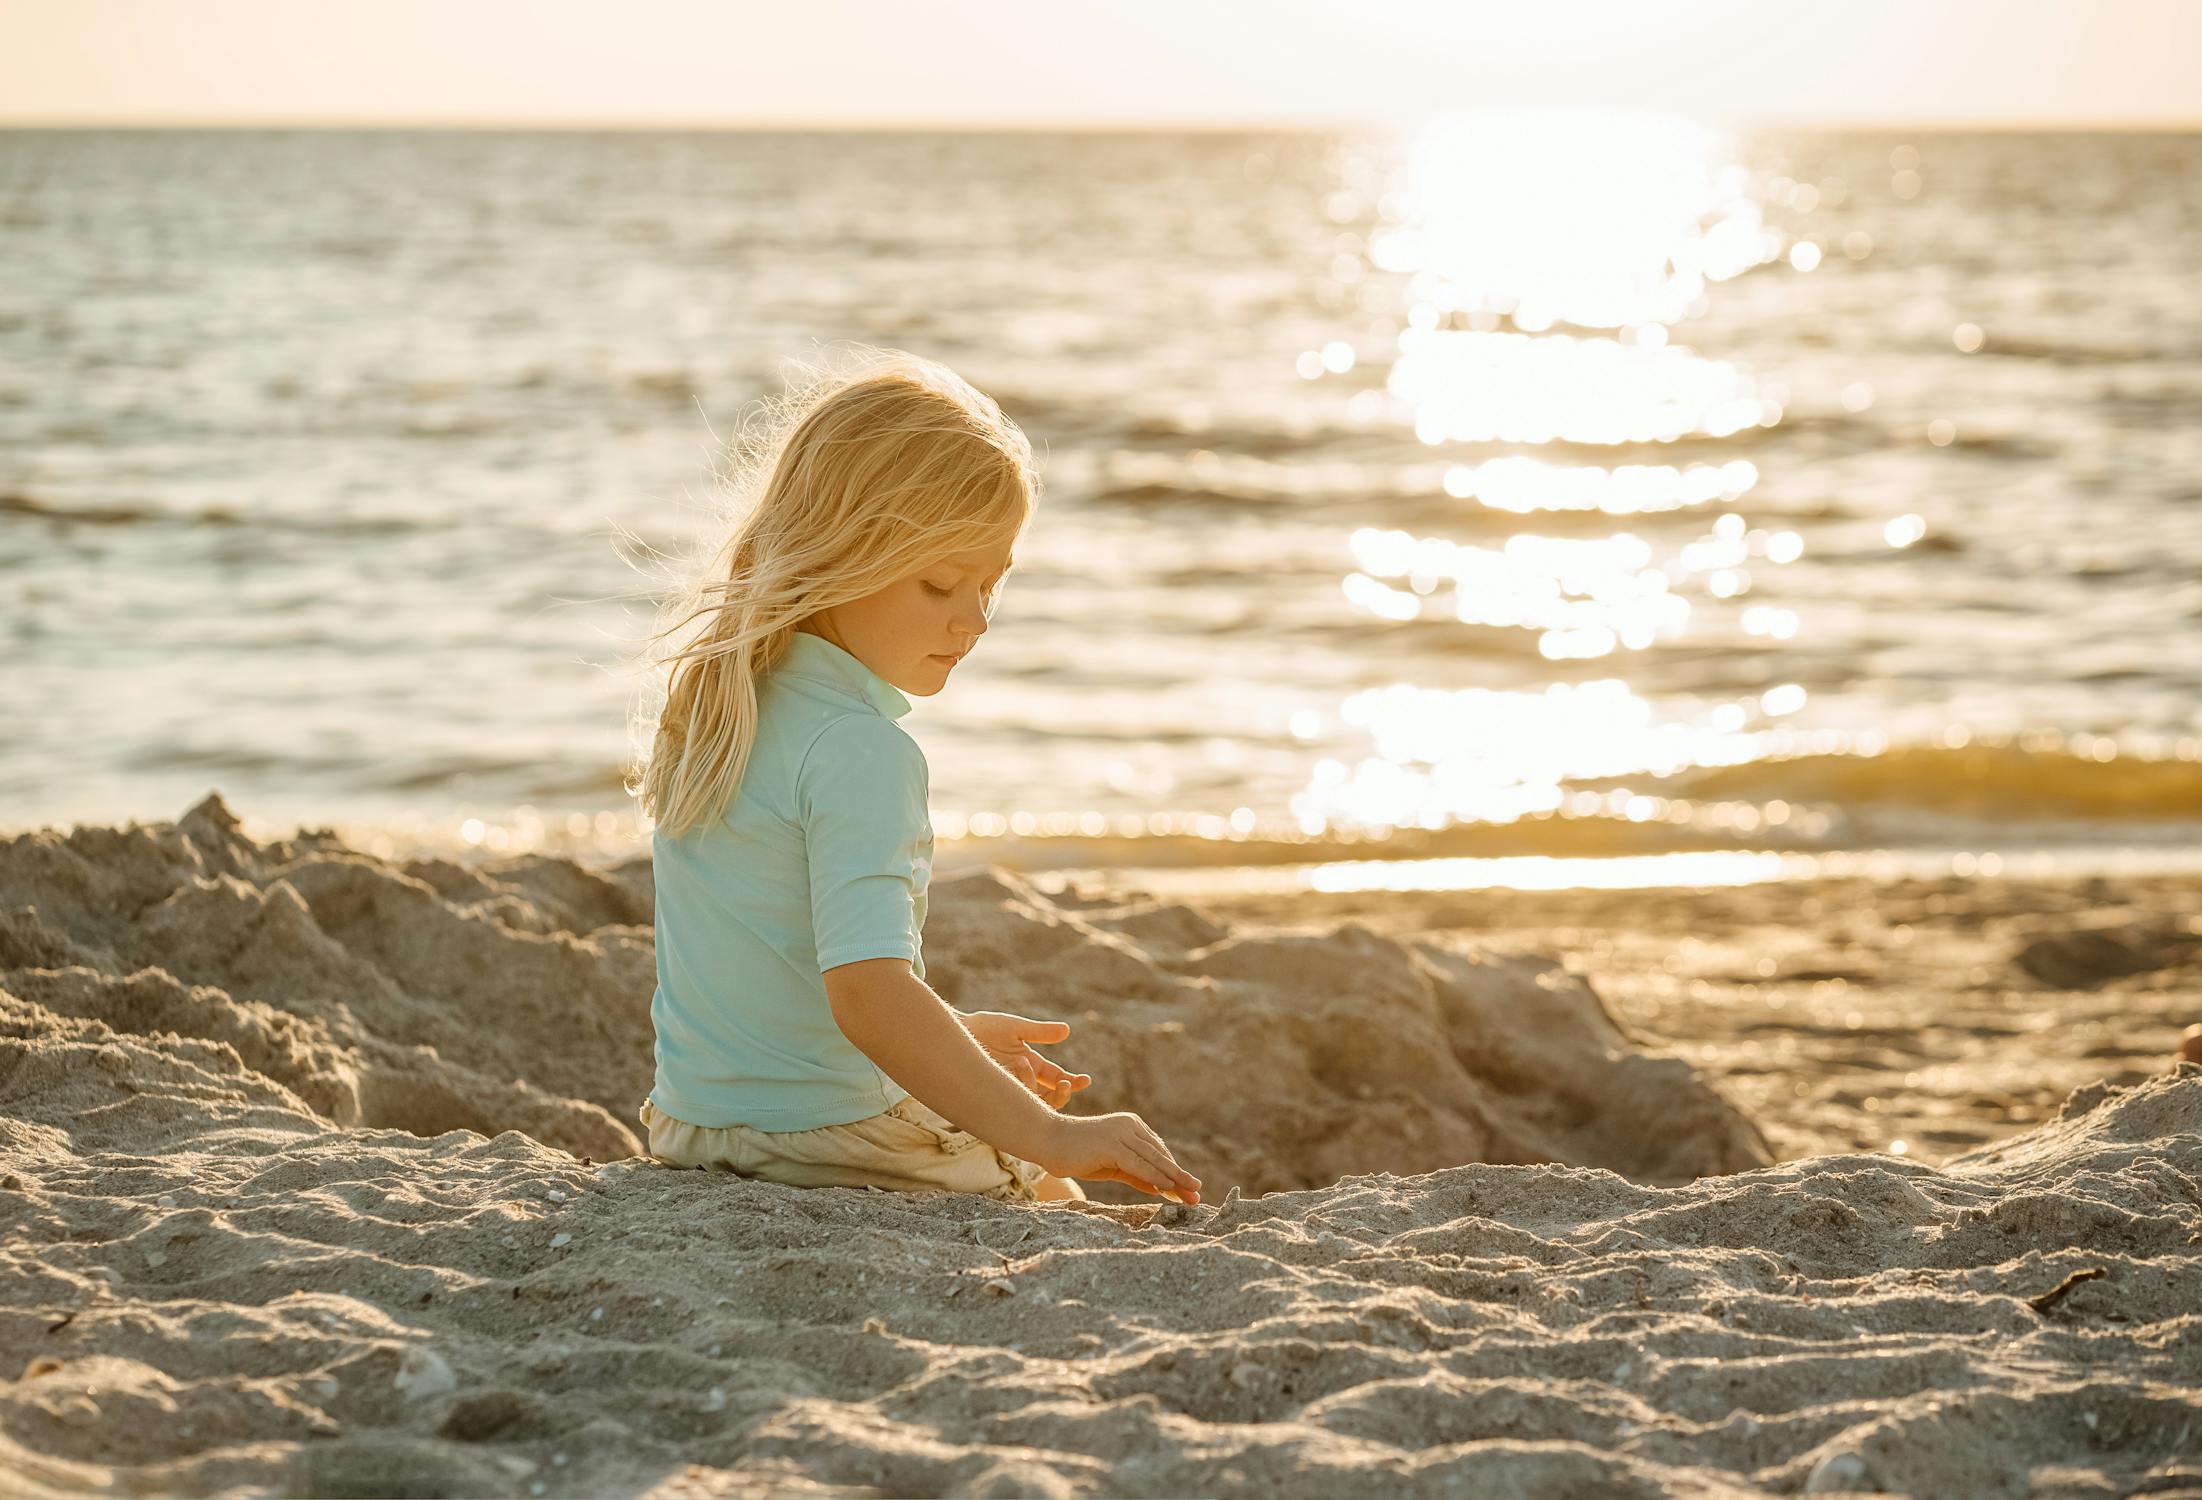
(1541, 261)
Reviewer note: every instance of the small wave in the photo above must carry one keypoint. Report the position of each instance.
(1979, 796)
(1466, 516)
(442, 773)
(2007, 347)
(1190, 433)
(1470, 517)
(1169, 430)
(578, 782)
(446, 426)
(1186, 496)
(65, 514)
(677, 386)
(1987, 780)
(90, 515)
(2006, 445)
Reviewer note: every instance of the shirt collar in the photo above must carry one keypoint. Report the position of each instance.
(815, 657)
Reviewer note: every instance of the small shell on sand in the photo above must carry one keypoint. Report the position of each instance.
(1837, 1473)
(77, 1410)
(424, 1374)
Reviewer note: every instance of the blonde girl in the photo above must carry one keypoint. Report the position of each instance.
(796, 1038)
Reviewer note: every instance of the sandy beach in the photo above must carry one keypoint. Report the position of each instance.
(319, 1174)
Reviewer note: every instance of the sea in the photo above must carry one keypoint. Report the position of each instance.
(1533, 497)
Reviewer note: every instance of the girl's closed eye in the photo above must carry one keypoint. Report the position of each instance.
(987, 599)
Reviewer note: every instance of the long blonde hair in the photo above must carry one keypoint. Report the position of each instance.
(861, 476)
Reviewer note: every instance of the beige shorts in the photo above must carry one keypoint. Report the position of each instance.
(908, 1148)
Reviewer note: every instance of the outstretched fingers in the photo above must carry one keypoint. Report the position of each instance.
(1165, 1177)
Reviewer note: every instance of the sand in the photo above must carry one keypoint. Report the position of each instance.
(318, 1175)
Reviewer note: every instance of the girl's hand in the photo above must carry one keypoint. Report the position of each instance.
(1007, 1039)
(1116, 1148)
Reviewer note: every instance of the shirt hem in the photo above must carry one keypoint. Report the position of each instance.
(861, 952)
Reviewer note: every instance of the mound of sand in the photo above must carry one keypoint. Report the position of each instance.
(1273, 1062)
(425, 997)
(252, 1239)
(417, 997)
(247, 1297)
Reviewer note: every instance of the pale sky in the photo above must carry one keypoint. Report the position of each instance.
(1132, 62)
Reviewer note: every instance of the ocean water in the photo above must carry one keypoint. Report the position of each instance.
(1547, 485)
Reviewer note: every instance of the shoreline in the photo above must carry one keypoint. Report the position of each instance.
(1196, 854)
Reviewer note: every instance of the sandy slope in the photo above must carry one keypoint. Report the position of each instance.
(1851, 1014)
(271, 1224)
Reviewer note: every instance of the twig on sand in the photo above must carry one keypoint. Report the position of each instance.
(2058, 1293)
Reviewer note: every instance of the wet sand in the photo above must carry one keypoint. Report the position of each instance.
(1845, 1015)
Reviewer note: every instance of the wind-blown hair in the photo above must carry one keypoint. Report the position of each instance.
(862, 476)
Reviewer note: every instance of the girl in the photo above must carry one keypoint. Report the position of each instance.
(796, 1039)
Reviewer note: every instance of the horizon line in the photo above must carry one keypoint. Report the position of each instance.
(1276, 125)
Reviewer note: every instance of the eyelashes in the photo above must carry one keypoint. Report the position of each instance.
(940, 593)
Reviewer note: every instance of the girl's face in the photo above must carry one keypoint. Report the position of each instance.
(912, 631)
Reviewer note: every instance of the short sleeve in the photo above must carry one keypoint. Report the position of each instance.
(862, 791)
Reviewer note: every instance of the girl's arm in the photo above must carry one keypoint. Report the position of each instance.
(900, 1022)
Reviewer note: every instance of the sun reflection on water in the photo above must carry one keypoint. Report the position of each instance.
(1522, 485)
(1598, 218)
(1539, 264)
(1511, 387)
(1479, 755)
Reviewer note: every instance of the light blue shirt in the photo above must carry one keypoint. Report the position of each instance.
(822, 858)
